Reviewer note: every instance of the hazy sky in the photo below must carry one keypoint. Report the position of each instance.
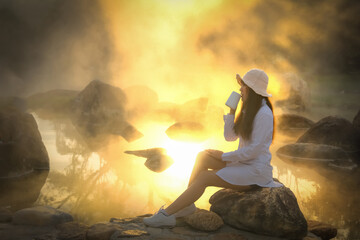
(170, 45)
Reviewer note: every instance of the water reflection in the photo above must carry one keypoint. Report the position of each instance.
(324, 194)
(95, 186)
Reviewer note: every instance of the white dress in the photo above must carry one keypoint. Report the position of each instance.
(250, 163)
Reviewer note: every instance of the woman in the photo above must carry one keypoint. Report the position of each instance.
(249, 165)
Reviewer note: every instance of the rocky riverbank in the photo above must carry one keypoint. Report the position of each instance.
(47, 223)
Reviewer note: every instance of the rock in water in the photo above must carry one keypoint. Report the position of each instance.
(156, 161)
(141, 101)
(12, 104)
(54, 103)
(292, 122)
(311, 152)
(334, 131)
(269, 211)
(100, 109)
(187, 131)
(307, 153)
(204, 220)
(41, 216)
(146, 153)
(24, 161)
(200, 104)
(323, 230)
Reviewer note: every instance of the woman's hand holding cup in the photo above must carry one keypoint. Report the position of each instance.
(233, 101)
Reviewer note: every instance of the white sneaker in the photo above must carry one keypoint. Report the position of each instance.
(186, 211)
(160, 219)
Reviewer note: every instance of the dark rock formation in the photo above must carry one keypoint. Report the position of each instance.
(156, 161)
(53, 103)
(356, 121)
(141, 100)
(100, 109)
(24, 162)
(187, 131)
(268, 211)
(290, 123)
(102, 231)
(11, 104)
(309, 153)
(334, 131)
(41, 216)
(323, 230)
(72, 231)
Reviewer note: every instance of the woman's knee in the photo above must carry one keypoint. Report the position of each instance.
(200, 158)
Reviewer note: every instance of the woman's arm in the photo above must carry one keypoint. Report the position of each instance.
(229, 133)
(261, 138)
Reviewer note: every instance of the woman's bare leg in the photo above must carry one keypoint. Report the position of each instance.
(205, 161)
(197, 188)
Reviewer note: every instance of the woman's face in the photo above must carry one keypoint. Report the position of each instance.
(244, 89)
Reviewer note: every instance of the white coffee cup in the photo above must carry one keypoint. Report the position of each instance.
(233, 100)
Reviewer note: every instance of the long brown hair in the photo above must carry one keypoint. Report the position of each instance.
(244, 122)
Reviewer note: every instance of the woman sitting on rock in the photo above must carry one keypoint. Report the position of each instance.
(241, 169)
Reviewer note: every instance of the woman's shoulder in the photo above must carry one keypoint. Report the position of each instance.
(265, 112)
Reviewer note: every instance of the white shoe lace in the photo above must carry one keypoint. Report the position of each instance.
(161, 208)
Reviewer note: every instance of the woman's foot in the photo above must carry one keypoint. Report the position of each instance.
(160, 219)
(186, 211)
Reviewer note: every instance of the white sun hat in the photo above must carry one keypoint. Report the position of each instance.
(257, 80)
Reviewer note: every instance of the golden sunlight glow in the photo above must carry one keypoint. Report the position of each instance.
(184, 155)
(274, 86)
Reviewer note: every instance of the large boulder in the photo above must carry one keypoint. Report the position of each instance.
(310, 153)
(334, 131)
(52, 104)
(101, 109)
(267, 211)
(291, 124)
(141, 100)
(24, 161)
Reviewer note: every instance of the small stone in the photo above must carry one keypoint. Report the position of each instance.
(41, 216)
(204, 220)
(228, 236)
(128, 233)
(127, 220)
(72, 231)
(323, 230)
(102, 231)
